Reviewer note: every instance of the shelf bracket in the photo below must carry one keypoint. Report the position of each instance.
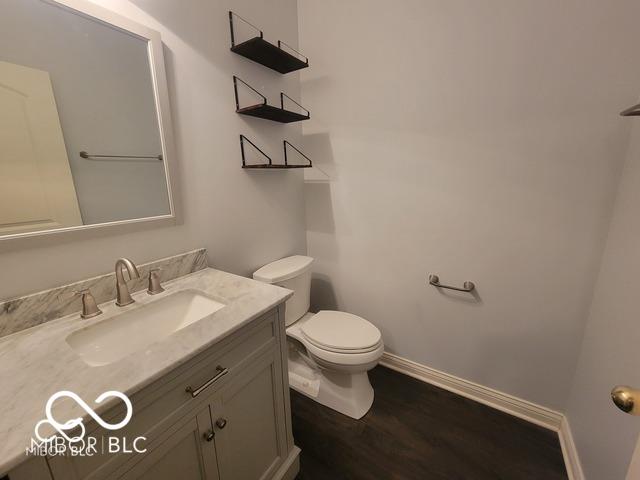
(244, 163)
(282, 95)
(300, 56)
(285, 143)
(235, 89)
(233, 36)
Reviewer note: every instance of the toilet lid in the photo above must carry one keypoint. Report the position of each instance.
(340, 331)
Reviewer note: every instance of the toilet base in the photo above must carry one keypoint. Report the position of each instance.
(348, 393)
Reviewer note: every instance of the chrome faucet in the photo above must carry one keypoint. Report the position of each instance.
(123, 297)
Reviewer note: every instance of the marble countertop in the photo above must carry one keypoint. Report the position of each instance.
(38, 362)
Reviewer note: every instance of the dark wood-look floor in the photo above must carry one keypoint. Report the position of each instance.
(417, 431)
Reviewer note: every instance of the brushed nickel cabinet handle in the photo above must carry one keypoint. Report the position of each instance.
(221, 423)
(209, 435)
(197, 391)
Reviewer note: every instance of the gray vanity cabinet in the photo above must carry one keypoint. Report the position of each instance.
(236, 436)
(201, 424)
(249, 426)
(182, 452)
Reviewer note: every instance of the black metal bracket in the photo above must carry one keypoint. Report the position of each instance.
(235, 90)
(282, 95)
(244, 162)
(284, 144)
(233, 36)
(280, 43)
(269, 163)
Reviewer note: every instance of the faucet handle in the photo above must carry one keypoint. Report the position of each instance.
(89, 306)
(154, 282)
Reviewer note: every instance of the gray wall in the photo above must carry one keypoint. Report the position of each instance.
(102, 85)
(605, 436)
(244, 219)
(476, 140)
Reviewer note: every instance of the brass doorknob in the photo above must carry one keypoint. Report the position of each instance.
(626, 399)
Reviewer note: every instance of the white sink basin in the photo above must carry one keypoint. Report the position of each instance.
(132, 331)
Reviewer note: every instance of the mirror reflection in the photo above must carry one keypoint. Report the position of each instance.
(79, 137)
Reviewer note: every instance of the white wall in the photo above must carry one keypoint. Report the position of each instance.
(605, 436)
(479, 141)
(102, 85)
(244, 219)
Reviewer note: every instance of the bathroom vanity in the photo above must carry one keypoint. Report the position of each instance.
(211, 398)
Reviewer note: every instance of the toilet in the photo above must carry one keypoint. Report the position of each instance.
(330, 352)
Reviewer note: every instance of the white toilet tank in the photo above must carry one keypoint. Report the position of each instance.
(293, 273)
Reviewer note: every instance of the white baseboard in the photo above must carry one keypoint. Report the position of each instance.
(518, 407)
(537, 414)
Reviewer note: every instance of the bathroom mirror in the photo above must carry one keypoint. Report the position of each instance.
(85, 130)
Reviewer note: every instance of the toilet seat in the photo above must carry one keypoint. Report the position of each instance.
(345, 352)
(331, 359)
(342, 353)
(341, 332)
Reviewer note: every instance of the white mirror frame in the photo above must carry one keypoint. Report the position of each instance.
(161, 96)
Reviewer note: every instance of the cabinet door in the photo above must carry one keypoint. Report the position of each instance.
(35, 468)
(186, 451)
(249, 422)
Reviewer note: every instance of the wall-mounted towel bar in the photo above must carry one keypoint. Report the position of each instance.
(631, 111)
(84, 154)
(466, 286)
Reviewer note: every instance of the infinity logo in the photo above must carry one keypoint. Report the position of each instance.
(77, 422)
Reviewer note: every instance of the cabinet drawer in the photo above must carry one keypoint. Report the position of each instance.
(163, 402)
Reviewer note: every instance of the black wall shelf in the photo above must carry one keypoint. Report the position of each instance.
(269, 112)
(269, 163)
(265, 53)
